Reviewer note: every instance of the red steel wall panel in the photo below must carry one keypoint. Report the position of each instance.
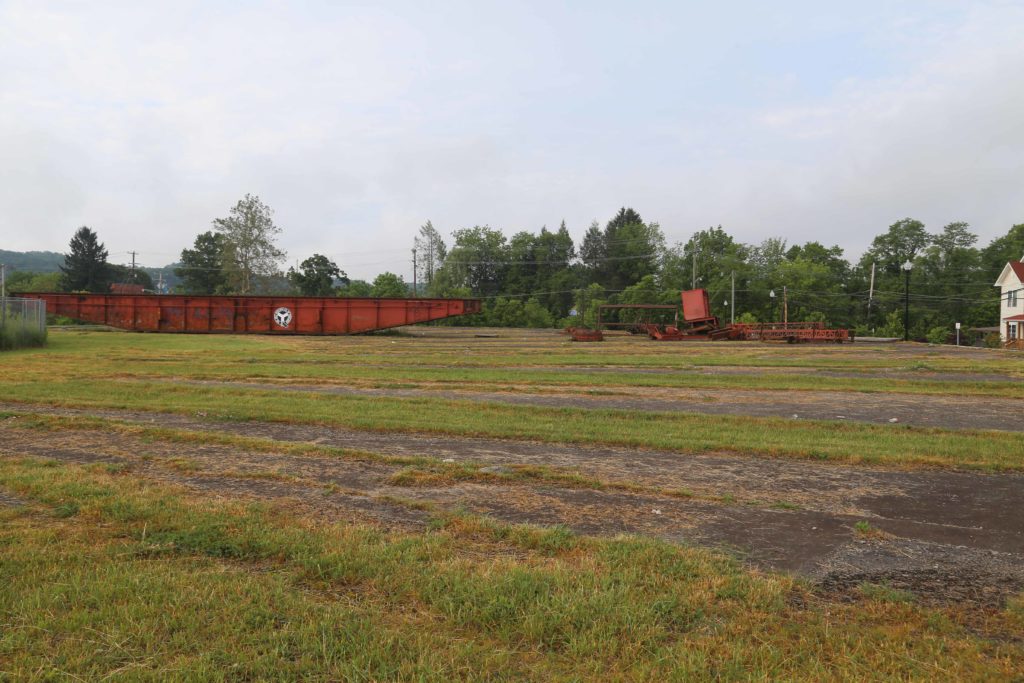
(251, 314)
(695, 305)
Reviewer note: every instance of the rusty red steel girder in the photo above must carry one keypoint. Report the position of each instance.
(250, 314)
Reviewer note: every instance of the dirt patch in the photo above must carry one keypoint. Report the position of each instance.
(882, 408)
(936, 524)
(882, 373)
(9, 500)
(339, 490)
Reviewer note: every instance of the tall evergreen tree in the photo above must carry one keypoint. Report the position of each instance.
(626, 251)
(85, 265)
(593, 251)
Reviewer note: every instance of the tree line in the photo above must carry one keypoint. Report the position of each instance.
(544, 279)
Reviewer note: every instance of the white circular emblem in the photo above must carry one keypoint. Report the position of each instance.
(283, 317)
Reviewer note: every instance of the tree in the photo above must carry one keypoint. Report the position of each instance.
(708, 260)
(316, 276)
(477, 261)
(202, 267)
(85, 265)
(952, 269)
(249, 250)
(125, 274)
(1009, 247)
(627, 250)
(430, 253)
(536, 315)
(356, 288)
(901, 243)
(389, 285)
(593, 252)
(28, 281)
(554, 275)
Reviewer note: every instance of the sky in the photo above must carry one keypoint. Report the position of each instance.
(358, 122)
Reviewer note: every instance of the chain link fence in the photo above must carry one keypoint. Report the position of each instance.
(22, 322)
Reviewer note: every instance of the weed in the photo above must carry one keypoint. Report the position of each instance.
(65, 510)
(885, 593)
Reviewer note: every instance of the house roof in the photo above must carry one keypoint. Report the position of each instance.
(1015, 267)
(1015, 317)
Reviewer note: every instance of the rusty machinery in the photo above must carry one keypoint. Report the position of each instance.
(699, 324)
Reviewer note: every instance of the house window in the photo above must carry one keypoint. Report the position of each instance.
(1011, 298)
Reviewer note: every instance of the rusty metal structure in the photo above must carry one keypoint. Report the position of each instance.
(637, 324)
(251, 314)
(792, 332)
(584, 334)
(698, 324)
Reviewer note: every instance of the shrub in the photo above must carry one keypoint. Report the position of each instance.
(15, 336)
(938, 335)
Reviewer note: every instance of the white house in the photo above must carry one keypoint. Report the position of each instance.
(1011, 310)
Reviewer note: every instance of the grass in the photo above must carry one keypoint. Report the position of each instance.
(142, 372)
(864, 529)
(106, 574)
(885, 593)
(14, 335)
(124, 588)
(545, 362)
(846, 441)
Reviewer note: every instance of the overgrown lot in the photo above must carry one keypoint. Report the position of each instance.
(205, 507)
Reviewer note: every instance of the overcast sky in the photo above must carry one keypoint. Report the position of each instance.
(358, 122)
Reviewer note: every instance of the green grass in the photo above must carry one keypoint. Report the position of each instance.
(15, 336)
(843, 441)
(146, 583)
(550, 362)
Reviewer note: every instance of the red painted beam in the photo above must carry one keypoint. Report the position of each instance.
(250, 314)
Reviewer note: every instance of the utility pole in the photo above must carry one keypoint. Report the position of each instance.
(785, 307)
(906, 302)
(415, 290)
(871, 291)
(732, 305)
(693, 275)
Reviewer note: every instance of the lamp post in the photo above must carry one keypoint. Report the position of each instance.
(906, 301)
(771, 293)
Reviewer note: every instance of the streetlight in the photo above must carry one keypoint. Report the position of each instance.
(906, 301)
(771, 293)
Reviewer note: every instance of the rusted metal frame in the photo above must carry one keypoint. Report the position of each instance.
(652, 307)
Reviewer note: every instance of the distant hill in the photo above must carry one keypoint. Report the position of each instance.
(51, 261)
(33, 261)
